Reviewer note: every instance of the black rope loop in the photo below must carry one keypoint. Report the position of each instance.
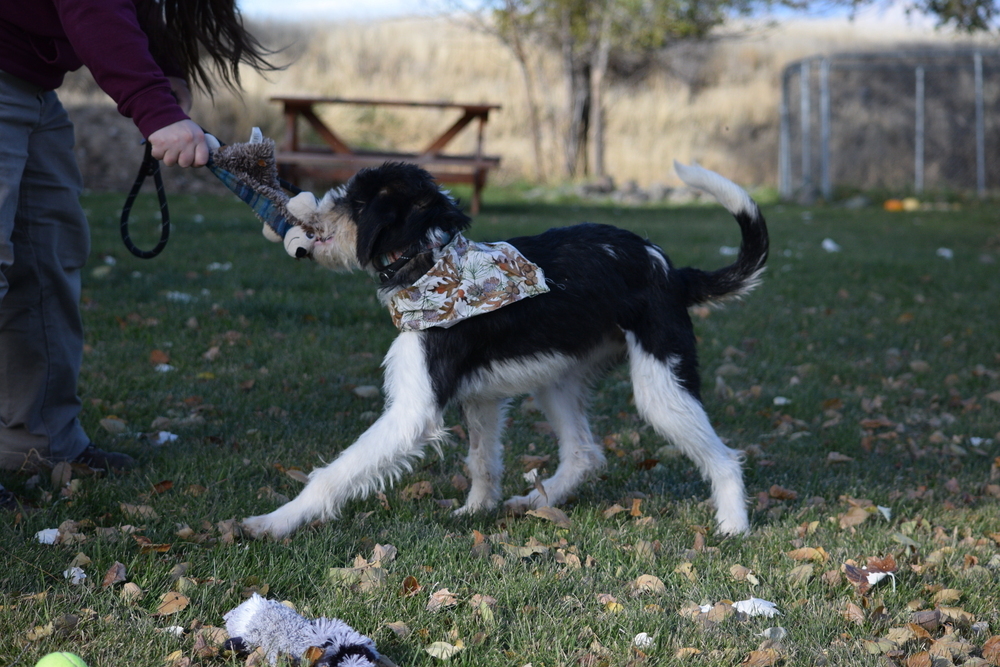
(150, 167)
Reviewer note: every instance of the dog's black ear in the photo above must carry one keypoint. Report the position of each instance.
(396, 205)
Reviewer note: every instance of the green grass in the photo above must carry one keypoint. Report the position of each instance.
(837, 334)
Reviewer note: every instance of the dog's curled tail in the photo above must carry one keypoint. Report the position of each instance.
(740, 277)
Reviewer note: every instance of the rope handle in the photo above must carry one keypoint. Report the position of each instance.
(150, 167)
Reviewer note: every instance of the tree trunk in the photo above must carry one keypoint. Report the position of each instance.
(598, 70)
(578, 100)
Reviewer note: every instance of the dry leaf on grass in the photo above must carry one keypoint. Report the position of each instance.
(417, 491)
(171, 603)
(809, 553)
(648, 583)
(297, 475)
(763, 658)
(440, 599)
(114, 575)
(443, 650)
(400, 629)
(553, 514)
(800, 576)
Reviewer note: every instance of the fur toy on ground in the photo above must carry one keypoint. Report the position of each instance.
(279, 630)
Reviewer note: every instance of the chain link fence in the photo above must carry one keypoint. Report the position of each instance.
(910, 121)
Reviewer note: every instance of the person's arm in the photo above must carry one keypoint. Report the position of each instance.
(108, 39)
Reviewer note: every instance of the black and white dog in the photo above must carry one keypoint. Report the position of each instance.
(612, 296)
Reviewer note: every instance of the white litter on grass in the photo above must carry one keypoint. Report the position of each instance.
(164, 368)
(776, 633)
(109, 260)
(215, 266)
(198, 217)
(175, 630)
(781, 400)
(47, 536)
(531, 476)
(977, 442)
(757, 607)
(729, 251)
(163, 437)
(642, 640)
(945, 253)
(886, 512)
(830, 245)
(179, 297)
(75, 575)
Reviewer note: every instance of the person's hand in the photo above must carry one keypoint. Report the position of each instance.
(179, 87)
(182, 143)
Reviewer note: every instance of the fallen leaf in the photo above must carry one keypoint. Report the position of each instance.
(854, 614)
(809, 553)
(553, 514)
(113, 425)
(781, 493)
(946, 596)
(157, 357)
(686, 652)
(991, 649)
(171, 603)
(417, 491)
(647, 583)
(442, 650)
(763, 658)
(853, 517)
(441, 599)
(613, 510)
(131, 593)
(297, 475)
(837, 457)
(114, 575)
(401, 630)
(410, 586)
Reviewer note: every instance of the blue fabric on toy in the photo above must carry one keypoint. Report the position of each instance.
(250, 171)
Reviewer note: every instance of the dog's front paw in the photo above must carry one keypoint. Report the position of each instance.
(267, 525)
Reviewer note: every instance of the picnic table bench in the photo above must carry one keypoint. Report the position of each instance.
(337, 161)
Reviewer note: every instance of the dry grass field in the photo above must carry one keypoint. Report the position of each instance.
(714, 102)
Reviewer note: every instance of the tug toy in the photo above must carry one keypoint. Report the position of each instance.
(250, 171)
(278, 630)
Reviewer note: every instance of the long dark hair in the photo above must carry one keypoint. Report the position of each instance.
(187, 35)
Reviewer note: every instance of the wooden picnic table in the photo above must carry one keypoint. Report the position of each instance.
(335, 160)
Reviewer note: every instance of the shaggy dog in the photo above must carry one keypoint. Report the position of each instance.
(611, 296)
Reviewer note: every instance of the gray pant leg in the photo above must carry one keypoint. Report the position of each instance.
(44, 242)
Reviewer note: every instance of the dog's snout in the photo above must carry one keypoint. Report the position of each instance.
(300, 253)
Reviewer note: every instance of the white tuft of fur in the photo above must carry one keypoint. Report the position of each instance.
(380, 456)
(678, 416)
(734, 198)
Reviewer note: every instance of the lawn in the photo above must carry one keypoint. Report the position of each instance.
(863, 384)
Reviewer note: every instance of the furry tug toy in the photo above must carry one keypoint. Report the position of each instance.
(278, 630)
(250, 171)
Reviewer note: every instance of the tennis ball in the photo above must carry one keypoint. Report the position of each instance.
(61, 659)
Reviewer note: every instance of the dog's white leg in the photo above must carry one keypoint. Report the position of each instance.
(565, 405)
(484, 419)
(382, 454)
(678, 416)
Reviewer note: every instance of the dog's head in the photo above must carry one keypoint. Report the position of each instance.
(382, 215)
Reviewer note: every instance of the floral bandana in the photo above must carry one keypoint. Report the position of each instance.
(469, 279)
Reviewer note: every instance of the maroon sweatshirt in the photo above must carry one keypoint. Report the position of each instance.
(41, 40)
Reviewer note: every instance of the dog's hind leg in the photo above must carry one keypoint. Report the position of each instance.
(484, 419)
(382, 454)
(677, 415)
(565, 405)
